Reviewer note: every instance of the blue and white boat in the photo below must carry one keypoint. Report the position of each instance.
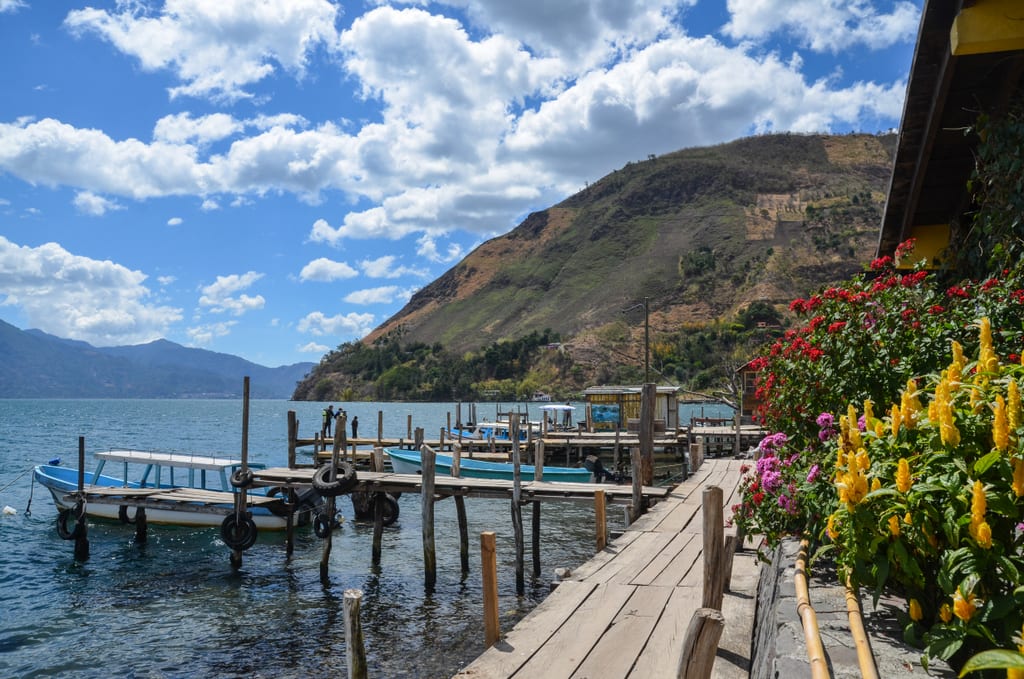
(409, 462)
(209, 476)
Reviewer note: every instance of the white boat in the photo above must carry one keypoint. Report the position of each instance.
(207, 482)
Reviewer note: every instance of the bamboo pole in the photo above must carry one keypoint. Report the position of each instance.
(427, 457)
(355, 650)
(489, 572)
(865, 658)
(808, 618)
(600, 519)
(713, 529)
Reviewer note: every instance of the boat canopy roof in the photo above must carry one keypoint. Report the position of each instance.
(168, 459)
(558, 406)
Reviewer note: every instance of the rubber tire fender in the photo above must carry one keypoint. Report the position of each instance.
(390, 508)
(323, 525)
(242, 478)
(62, 525)
(344, 481)
(238, 535)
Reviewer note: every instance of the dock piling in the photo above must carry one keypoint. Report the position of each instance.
(714, 550)
(355, 651)
(700, 645)
(81, 524)
(517, 509)
(377, 465)
(460, 511)
(600, 520)
(489, 571)
(427, 456)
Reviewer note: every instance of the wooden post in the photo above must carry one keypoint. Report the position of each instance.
(536, 539)
(489, 571)
(729, 549)
(714, 575)
(380, 427)
(517, 509)
(648, 399)
(293, 435)
(440, 438)
(427, 457)
(141, 525)
(408, 426)
(460, 510)
(241, 498)
(418, 438)
(377, 465)
(81, 523)
(637, 507)
(538, 461)
(355, 651)
(330, 507)
(600, 519)
(701, 644)
(615, 453)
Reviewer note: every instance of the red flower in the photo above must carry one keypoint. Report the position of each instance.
(836, 327)
(957, 291)
(758, 498)
(936, 309)
(881, 263)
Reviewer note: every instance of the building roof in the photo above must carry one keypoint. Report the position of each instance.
(945, 94)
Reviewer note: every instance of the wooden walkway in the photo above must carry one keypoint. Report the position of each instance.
(625, 612)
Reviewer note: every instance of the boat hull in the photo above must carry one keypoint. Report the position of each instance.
(63, 480)
(408, 462)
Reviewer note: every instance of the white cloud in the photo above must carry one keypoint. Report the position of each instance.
(824, 25)
(219, 297)
(384, 267)
(71, 296)
(203, 335)
(182, 128)
(353, 325)
(314, 348)
(174, 221)
(209, 205)
(89, 203)
(427, 248)
(382, 295)
(216, 49)
(165, 280)
(325, 270)
(11, 5)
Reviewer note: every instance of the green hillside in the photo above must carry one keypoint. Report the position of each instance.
(701, 233)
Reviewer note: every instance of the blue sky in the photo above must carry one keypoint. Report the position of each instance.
(272, 178)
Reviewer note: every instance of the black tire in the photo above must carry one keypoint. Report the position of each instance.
(344, 481)
(390, 509)
(242, 478)
(238, 535)
(62, 525)
(122, 514)
(323, 524)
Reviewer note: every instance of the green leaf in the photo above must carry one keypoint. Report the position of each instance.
(993, 660)
(982, 465)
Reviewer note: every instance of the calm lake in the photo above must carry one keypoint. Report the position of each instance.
(174, 607)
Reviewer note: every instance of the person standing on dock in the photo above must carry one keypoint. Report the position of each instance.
(355, 427)
(328, 419)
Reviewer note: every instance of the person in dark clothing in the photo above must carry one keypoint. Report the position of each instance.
(355, 427)
(328, 420)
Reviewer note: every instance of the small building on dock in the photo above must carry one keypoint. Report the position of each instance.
(611, 408)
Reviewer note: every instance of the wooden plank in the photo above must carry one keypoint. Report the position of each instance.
(573, 642)
(623, 641)
(665, 558)
(506, 657)
(684, 563)
(660, 657)
(602, 558)
(634, 560)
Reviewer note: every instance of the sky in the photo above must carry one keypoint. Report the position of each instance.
(273, 178)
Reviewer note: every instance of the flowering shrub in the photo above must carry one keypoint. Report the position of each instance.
(925, 495)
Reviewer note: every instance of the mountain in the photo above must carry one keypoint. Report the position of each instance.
(699, 234)
(38, 365)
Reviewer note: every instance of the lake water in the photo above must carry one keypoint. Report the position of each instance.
(174, 607)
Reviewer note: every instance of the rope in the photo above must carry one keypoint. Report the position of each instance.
(16, 478)
(28, 507)
(865, 658)
(808, 618)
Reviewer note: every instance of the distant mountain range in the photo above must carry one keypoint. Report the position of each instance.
(34, 364)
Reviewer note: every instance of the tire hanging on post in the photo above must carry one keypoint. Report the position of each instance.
(239, 535)
(344, 481)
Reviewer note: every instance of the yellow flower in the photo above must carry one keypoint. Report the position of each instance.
(915, 610)
(987, 359)
(876, 484)
(1018, 477)
(984, 535)
(907, 519)
(956, 368)
(897, 420)
(1013, 406)
(830, 529)
(963, 606)
(869, 411)
(879, 428)
(903, 475)
(945, 612)
(863, 461)
(947, 426)
(910, 404)
(1000, 425)
(894, 526)
(853, 432)
(979, 503)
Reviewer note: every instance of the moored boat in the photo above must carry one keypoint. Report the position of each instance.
(409, 462)
(155, 471)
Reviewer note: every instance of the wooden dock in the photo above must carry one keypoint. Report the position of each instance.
(625, 612)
